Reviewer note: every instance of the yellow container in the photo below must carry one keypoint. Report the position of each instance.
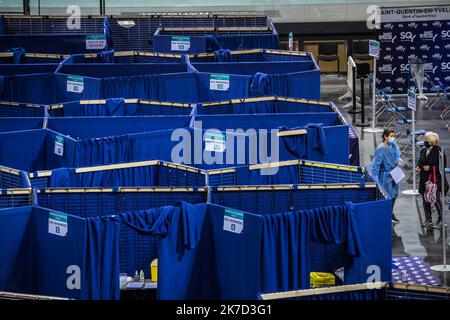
(321, 279)
(154, 270)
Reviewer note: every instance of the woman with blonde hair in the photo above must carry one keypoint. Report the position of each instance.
(428, 166)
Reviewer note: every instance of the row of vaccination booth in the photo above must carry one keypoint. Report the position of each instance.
(219, 160)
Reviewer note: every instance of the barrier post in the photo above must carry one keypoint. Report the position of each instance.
(374, 51)
(291, 41)
(412, 103)
(442, 267)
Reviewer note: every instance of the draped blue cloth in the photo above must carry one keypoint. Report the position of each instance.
(317, 142)
(97, 151)
(177, 252)
(102, 258)
(222, 55)
(18, 54)
(287, 243)
(128, 177)
(142, 87)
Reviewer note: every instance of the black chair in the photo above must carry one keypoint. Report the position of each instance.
(361, 50)
(329, 52)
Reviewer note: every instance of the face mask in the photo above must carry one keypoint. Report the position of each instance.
(391, 139)
(427, 144)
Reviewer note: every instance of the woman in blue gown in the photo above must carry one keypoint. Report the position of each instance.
(387, 158)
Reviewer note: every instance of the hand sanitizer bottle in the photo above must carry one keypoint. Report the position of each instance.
(136, 276)
(141, 276)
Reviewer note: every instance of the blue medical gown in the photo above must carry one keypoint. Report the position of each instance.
(385, 160)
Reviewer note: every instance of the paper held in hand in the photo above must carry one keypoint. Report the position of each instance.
(397, 174)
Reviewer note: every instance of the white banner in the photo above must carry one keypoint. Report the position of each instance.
(426, 13)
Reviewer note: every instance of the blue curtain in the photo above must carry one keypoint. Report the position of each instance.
(287, 240)
(128, 177)
(177, 251)
(18, 54)
(97, 151)
(102, 258)
(142, 87)
(295, 145)
(317, 143)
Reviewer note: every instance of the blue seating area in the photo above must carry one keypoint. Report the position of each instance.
(112, 158)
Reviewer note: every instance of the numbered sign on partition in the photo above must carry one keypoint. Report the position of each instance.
(180, 43)
(214, 141)
(75, 84)
(291, 41)
(233, 221)
(57, 224)
(374, 49)
(220, 82)
(59, 146)
(95, 41)
(412, 100)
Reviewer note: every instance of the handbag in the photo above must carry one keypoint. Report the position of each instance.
(431, 188)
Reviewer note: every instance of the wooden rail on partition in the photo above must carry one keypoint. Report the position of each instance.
(333, 186)
(321, 291)
(121, 190)
(18, 104)
(9, 170)
(118, 166)
(253, 51)
(23, 296)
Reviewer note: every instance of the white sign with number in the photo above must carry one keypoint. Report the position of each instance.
(95, 42)
(57, 224)
(374, 49)
(59, 146)
(180, 44)
(75, 84)
(233, 221)
(220, 82)
(412, 100)
(214, 141)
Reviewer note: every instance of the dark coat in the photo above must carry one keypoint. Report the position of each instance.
(433, 161)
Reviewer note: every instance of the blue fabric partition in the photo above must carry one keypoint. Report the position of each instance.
(19, 124)
(99, 70)
(29, 250)
(266, 106)
(15, 69)
(46, 88)
(261, 121)
(46, 43)
(259, 56)
(209, 43)
(117, 107)
(28, 147)
(250, 68)
(376, 241)
(93, 127)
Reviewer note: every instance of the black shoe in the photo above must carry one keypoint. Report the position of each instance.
(395, 220)
(427, 224)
